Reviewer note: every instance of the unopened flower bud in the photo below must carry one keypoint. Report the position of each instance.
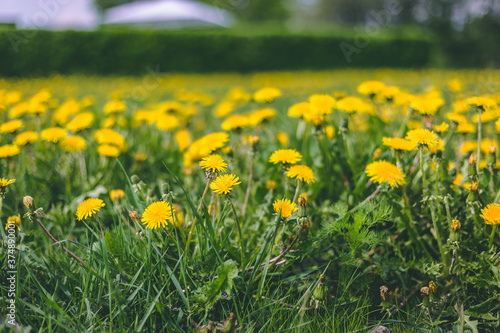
(135, 179)
(377, 153)
(271, 185)
(433, 287)
(28, 201)
(165, 188)
(383, 291)
(134, 216)
(253, 140)
(424, 291)
(472, 166)
(455, 225)
(303, 199)
(344, 125)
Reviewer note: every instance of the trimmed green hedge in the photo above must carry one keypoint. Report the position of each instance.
(125, 52)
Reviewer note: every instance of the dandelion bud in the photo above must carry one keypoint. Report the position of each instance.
(474, 186)
(134, 216)
(165, 188)
(433, 287)
(472, 159)
(455, 225)
(344, 125)
(116, 195)
(318, 123)
(491, 162)
(329, 131)
(377, 153)
(439, 153)
(28, 201)
(425, 292)
(303, 200)
(472, 166)
(135, 179)
(383, 291)
(271, 185)
(253, 140)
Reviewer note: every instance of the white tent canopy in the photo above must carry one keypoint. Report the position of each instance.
(83, 15)
(51, 15)
(168, 13)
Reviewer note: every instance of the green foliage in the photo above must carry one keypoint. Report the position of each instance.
(132, 52)
(208, 294)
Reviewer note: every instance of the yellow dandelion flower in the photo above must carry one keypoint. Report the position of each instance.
(271, 185)
(140, 157)
(460, 106)
(238, 94)
(13, 220)
(4, 182)
(422, 137)
(283, 138)
(468, 146)
(11, 126)
(455, 85)
(9, 151)
(322, 104)
(235, 122)
(214, 163)
(259, 116)
(88, 208)
(114, 106)
(385, 172)
(302, 173)
(389, 93)
(329, 131)
(482, 102)
(455, 225)
(353, 104)
(487, 143)
(285, 156)
(74, 144)
(266, 95)
(62, 114)
(371, 88)
(491, 214)
(183, 139)
(456, 117)
(157, 215)
(167, 122)
(286, 206)
(204, 146)
(299, 109)
(110, 137)
(116, 195)
(54, 134)
(465, 127)
(224, 108)
(81, 121)
(224, 184)
(108, 150)
(442, 128)
(26, 137)
(425, 105)
(399, 143)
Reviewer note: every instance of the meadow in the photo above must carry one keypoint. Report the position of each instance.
(328, 201)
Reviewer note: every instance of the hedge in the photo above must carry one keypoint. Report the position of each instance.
(131, 52)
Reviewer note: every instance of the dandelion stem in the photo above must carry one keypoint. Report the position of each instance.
(296, 191)
(247, 195)
(59, 244)
(240, 233)
(191, 231)
(478, 138)
(492, 237)
(370, 197)
(433, 213)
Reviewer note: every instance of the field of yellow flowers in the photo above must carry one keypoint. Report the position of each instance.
(339, 201)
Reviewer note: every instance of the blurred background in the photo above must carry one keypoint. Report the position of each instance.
(40, 37)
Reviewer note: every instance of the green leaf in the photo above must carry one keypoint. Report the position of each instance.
(207, 295)
(112, 245)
